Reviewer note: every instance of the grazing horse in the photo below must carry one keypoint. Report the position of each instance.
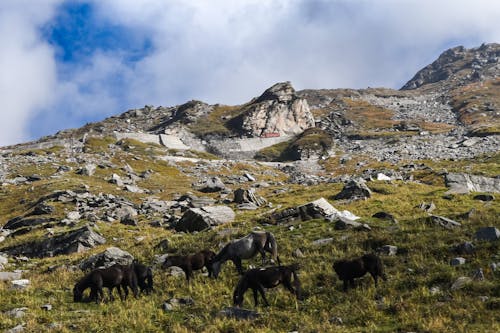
(347, 270)
(259, 278)
(129, 280)
(144, 277)
(246, 248)
(191, 262)
(97, 279)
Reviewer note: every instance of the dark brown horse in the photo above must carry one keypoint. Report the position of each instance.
(348, 270)
(259, 278)
(246, 248)
(129, 280)
(96, 280)
(144, 277)
(191, 262)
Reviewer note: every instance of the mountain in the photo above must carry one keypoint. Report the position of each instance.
(409, 174)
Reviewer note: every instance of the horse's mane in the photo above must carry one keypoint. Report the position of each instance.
(221, 253)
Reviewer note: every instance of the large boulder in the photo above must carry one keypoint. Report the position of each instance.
(354, 190)
(487, 234)
(111, 256)
(77, 240)
(278, 111)
(210, 185)
(465, 183)
(443, 221)
(242, 196)
(198, 219)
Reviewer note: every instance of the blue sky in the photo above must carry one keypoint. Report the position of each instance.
(66, 63)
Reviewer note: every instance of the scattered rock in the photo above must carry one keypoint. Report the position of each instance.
(484, 197)
(9, 276)
(464, 248)
(43, 209)
(198, 219)
(354, 190)
(465, 183)
(297, 253)
(77, 240)
(321, 242)
(238, 313)
(427, 207)
(111, 256)
(461, 282)
(385, 216)
(210, 185)
(20, 284)
(174, 271)
(87, 170)
(336, 321)
(443, 221)
(478, 275)
(457, 261)
(487, 234)
(16, 329)
(242, 196)
(346, 223)
(388, 250)
(16, 312)
(46, 307)
(249, 177)
(133, 189)
(73, 216)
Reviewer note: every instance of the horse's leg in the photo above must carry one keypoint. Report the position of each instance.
(125, 291)
(346, 285)
(255, 295)
(288, 285)
(101, 293)
(237, 263)
(263, 294)
(353, 285)
(111, 297)
(375, 277)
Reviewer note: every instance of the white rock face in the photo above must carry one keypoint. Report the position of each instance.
(278, 111)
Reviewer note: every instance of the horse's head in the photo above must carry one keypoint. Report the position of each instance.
(167, 263)
(215, 268)
(77, 294)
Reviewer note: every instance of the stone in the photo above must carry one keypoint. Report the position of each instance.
(87, 170)
(210, 185)
(487, 234)
(435, 290)
(464, 248)
(16, 329)
(242, 196)
(115, 179)
(21, 222)
(385, 216)
(181, 301)
(46, 307)
(460, 283)
(20, 284)
(16, 312)
(336, 321)
(277, 112)
(354, 190)
(478, 274)
(388, 250)
(9, 276)
(133, 189)
(345, 223)
(297, 253)
(249, 177)
(238, 313)
(111, 256)
(484, 197)
(247, 206)
(321, 242)
(427, 207)
(73, 216)
(443, 221)
(3, 260)
(457, 261)
(174, 271)
(42, 209)
(381, 176)
(77, 240)
(465, 183)
(198, 219)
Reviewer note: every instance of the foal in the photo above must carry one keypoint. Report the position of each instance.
(144, 277)
(259, 278)
(97, 279)
(191, 262)
(347, 270)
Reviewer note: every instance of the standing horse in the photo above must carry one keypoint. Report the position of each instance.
(348, 270)
(144, 277)
(246, 248)
(259, 278)
(191, 262)
(97, 279)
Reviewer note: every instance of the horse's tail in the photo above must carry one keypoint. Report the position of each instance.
(271, 243)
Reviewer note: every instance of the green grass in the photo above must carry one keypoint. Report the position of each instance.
(408, 305)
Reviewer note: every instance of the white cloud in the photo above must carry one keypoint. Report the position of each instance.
(27, 67)
(228, 51)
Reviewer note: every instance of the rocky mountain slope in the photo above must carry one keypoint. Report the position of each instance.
(410, 174)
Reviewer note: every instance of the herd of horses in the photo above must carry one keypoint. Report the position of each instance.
(139, 278)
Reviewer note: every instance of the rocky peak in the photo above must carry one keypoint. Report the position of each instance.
(191, 111)
(460, 66)
(278, 111)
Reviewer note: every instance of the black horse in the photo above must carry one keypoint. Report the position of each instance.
(246, 248)
(144, 277)
(259, 278)
(96, 280)
(191, 262)
(348, 270)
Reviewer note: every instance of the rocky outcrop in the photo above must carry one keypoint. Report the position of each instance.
(242, 196)
(111, 256)
(354, 190)
(278, 111)
(198, 219)
(465, 183)
(73, 241)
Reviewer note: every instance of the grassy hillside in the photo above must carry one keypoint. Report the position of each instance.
(403, 303)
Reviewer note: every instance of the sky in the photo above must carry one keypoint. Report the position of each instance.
(66, 63)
